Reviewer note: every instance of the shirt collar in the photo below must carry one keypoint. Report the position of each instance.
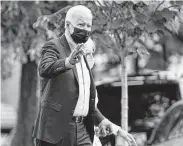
(70, 41)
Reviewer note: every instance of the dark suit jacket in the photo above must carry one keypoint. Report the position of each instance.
(59, 94)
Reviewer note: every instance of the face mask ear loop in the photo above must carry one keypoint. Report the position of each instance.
(67, 25)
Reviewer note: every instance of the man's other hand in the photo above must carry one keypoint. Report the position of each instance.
(128, 137)
(105, 127)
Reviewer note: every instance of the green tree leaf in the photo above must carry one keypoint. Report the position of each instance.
(117, 23)
(167, 13)
(141, 18)
(180, 3)
(151, 27)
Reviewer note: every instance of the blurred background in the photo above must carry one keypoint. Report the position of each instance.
(155, 85)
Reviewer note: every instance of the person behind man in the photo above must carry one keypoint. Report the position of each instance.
(68, 112)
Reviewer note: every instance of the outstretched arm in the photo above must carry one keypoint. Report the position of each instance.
(118, 131)
(50, 64)
(128, 137)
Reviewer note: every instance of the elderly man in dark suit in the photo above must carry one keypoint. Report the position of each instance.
(68, 110)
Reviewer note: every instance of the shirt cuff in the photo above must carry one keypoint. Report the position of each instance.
(67, 63)
(103, 121)
(115, 129)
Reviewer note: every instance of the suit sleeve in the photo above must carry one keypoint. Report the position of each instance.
(50, 64)
(98, 115)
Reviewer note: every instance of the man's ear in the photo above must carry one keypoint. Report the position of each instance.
(68, 27)
(67, 24)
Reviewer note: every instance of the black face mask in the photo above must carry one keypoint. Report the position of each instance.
(80, 35)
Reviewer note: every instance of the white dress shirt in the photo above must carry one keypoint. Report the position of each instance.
(84, 81)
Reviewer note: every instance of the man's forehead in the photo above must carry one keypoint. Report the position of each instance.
(79, 13)
(83, 18)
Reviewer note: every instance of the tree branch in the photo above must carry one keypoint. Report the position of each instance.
(61, 11)
(143, 44)
(168, 30)
(121, 14)
(118, 8)
(159, 5)
(111, 11)
(106, 4)
(103, 11)
(117, 39)
(137, 38)
(134, 40)
(173, 6)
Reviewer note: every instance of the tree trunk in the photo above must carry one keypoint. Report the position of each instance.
(124, 95)
(137, 65)
(27, 108)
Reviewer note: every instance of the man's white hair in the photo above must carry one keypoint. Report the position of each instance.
(77, 10)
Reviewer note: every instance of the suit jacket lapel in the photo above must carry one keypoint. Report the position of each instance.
(67, 52)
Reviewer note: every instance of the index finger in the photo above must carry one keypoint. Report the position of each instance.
(79, 46)
(109, 130)
(103, 131)
(76, 52)
(133, 141)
